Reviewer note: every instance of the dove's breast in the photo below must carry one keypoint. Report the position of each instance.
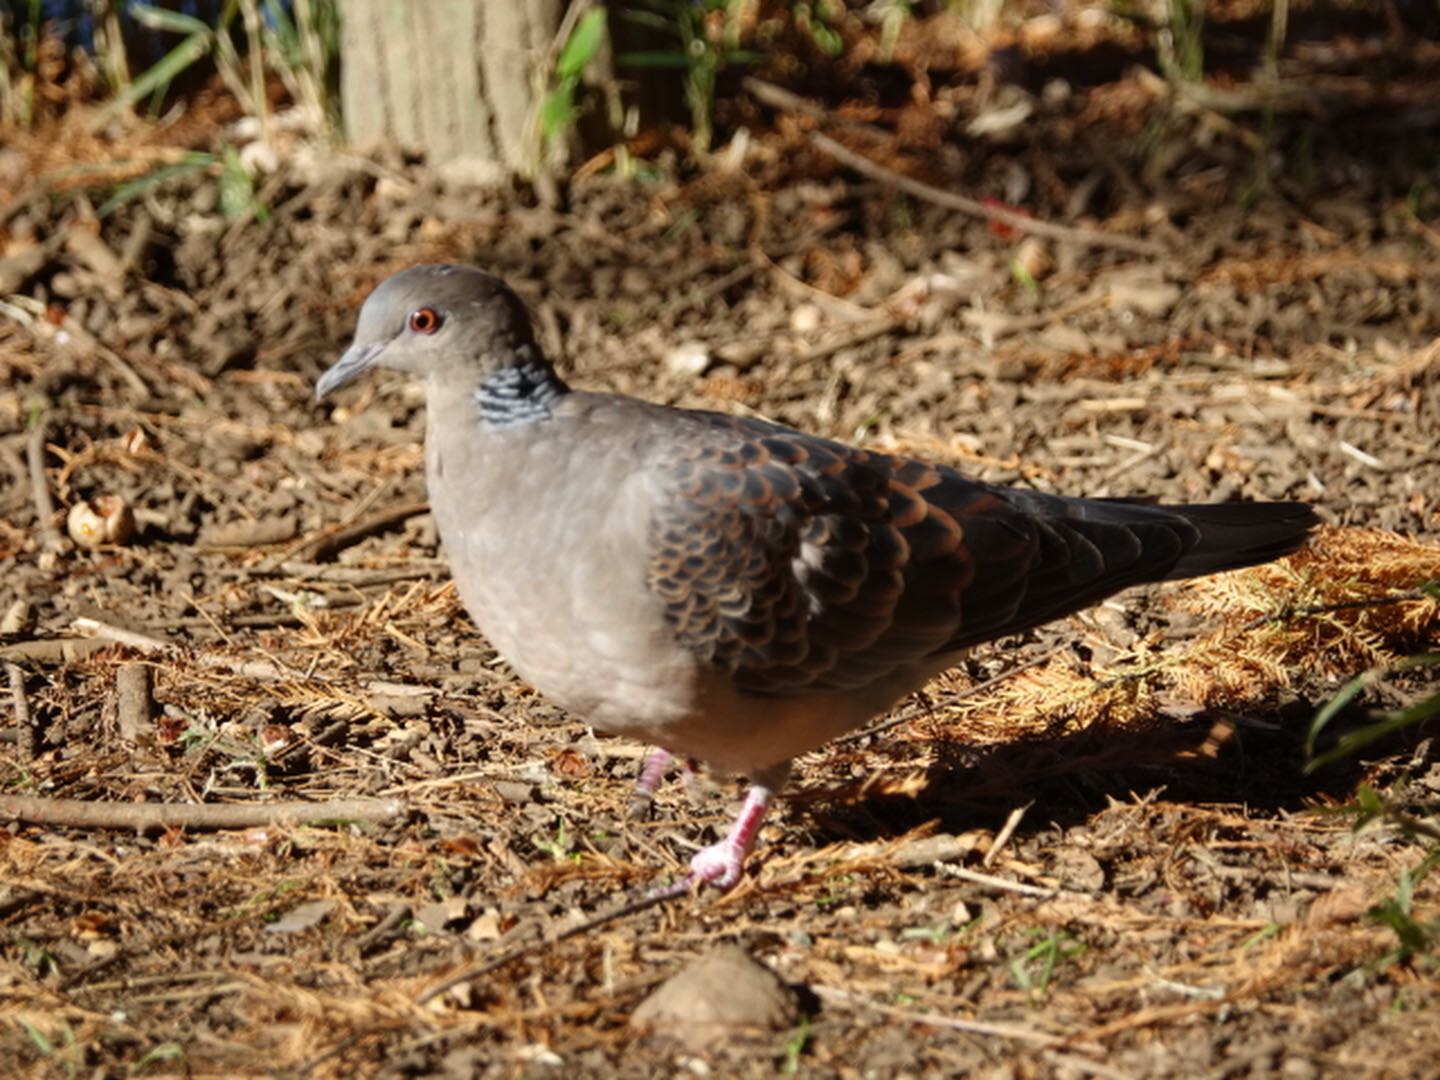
(546, 529)
(541, 527)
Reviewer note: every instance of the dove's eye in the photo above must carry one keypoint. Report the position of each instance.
(425, 320)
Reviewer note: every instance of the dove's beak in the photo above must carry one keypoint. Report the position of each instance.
(353, 363)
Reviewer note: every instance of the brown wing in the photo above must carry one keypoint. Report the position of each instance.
(798, 563)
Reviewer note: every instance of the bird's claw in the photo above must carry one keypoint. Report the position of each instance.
(720, 865)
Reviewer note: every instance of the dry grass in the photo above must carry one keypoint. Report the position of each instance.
(1349, 601)
(185, 927)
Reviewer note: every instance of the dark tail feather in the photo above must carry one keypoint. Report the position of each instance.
(1233, 535)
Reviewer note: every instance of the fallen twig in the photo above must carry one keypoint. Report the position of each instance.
(619, 911)
(777, 97)
(329, 542)
(1012, 822)
(990, 881)
(39, 489)
(145, 817)
(133, 701)
(977, 1027)
(360, 576)
(1422, 592)
(250, 669)
(24, 729)
(699, 297)
(1020, 222)
(50, 650)
(72, 336)
(13, 622)
(341, 538)
(848, 338)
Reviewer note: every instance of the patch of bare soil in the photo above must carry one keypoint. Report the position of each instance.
(1106, 861)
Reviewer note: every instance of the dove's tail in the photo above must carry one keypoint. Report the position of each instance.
(1233, 535)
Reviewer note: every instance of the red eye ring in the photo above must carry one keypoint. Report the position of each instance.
(425, 320)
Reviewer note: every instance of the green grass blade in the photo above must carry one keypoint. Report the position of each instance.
(557, 111)
(652, 60)
(1334, 707)
(158, 76)
(131, 190)
(281, 26)
(651, 21)
(173, 22)
(1386, 723)
(584, 43)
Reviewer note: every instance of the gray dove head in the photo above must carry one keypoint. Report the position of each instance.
(437, 321)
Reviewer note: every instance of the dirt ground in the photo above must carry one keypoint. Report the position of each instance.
(1108, 861)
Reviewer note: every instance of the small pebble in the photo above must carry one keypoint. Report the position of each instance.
(724, 994)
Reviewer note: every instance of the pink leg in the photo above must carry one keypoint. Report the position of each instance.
(722, 863)
(652, 774)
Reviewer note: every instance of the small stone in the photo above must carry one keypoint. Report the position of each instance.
(515, 793)
(437, 916)
(806, 319)
(726, 994)
(688, 360)
(1079, 870)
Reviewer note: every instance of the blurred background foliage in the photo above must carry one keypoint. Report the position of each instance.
(681, 62)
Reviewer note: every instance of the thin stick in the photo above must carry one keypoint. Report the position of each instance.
(24, 729)
(80, 340)
(14, 621)
(992, 882)
(975, 1027)
(779, 98)
(147, 817)
(50, 650)
(330, 541)
(359, 576)
(134, 704)
(1116, 471)
(39, 488)
(336, 541)
(858, 334)
(699, 297)
(1424, 592)
(629, 907)
(1067, 234)
(1155, 1014)
(1006, 831)
(250, 669)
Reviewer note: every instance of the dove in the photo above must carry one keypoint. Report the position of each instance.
(724, 588)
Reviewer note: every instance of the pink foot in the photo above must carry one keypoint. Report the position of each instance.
(722, 864)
